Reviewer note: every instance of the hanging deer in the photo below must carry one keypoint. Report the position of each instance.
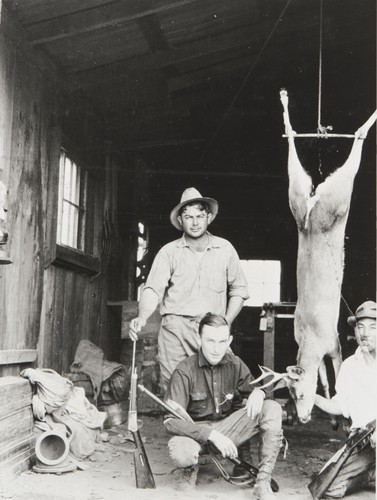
(321, 217)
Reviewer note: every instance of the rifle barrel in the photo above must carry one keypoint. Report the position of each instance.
(161, 403)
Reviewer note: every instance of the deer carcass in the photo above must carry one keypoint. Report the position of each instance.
(321, 217)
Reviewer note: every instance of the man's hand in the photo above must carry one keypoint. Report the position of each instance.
(255, 402)
(373, 439)
(136, 325)
(225, 445)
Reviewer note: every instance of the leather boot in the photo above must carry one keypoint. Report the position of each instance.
(269, 445)
(185, 478)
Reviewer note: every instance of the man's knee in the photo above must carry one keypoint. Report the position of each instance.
(271, 414)
(184, 451)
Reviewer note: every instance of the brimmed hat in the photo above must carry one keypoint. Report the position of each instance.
(190, 195)
(366, 310)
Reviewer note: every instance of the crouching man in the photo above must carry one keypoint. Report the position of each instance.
(211, 386)
(355, 399)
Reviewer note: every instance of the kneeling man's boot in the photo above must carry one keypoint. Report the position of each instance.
(262, 490)
(186, 477)
(269, 445)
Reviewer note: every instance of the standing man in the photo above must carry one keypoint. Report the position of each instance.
(211, 385)
(355, 399)
(192, 275)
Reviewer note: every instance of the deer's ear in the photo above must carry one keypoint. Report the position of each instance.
(295, 372)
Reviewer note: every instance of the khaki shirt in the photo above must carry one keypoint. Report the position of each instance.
(190, 285)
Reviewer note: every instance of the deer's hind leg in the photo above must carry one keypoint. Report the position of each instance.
(300, 183)
(336, 190)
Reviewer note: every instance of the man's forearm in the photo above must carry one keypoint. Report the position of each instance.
(148, 303)
(235, 305)
(198, 432)
(328, 405)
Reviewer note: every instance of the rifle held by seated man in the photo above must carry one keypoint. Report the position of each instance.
(143, 472)
(324, 479)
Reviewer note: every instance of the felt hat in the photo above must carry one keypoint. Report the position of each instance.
(366, 310)
(190, 195)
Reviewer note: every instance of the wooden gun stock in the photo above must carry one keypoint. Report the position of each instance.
(143, 472)
(324, 479)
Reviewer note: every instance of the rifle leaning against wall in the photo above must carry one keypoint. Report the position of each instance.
(211, 449)
(143, 472)
(324, 479)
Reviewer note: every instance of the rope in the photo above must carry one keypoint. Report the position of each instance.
(320, 65)
(251, 69)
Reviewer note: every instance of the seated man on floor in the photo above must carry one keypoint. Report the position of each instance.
(355, 399)
(211, 386)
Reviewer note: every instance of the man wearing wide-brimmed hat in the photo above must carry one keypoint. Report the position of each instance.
(355, 399)
(190, 276)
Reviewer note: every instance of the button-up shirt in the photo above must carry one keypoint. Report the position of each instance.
(189, 285)
(207, 392)
(356, 389)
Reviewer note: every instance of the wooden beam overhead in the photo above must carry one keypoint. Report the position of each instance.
(34, 11)
(107, 16)
(206, 173)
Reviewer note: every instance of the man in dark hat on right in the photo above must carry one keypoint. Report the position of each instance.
(355, 399)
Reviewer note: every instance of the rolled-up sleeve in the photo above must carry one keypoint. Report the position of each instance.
(237, 284)
(160, 273)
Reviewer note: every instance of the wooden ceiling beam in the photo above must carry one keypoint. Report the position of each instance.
(246, 35)
(206, 173)
(106, 16)
(34, 11)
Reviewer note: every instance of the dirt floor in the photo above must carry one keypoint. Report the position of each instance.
(110, 474)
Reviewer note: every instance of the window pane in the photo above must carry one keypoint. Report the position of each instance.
(263, 278)
(271, 293)
(271, 271)
(71, 216)
(67, 178)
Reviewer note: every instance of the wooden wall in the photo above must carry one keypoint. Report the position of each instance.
(42, 306)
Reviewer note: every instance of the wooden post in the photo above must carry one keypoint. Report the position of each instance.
(269, 339)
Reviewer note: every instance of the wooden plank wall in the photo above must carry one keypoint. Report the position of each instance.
(41, 306)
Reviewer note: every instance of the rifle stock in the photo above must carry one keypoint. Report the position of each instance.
(143, 473)
(324, 479)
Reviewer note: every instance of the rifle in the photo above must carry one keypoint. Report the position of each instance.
(324, 479)
(143, 472)
(211, 449)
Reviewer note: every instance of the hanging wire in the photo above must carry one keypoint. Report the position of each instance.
(320, 65)
(251, 69)
(321, 130)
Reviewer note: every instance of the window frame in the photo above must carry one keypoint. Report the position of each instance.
(79, 259)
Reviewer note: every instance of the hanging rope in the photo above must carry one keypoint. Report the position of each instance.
(322, 132)
(227, 111)
(320, 128)
(320, 65)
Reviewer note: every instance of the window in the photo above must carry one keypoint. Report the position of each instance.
(263, 278)
(72, 201)
(76, 240)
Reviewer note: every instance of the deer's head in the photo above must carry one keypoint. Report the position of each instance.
(301, 385)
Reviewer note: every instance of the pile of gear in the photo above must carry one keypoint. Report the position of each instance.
(67, 424)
